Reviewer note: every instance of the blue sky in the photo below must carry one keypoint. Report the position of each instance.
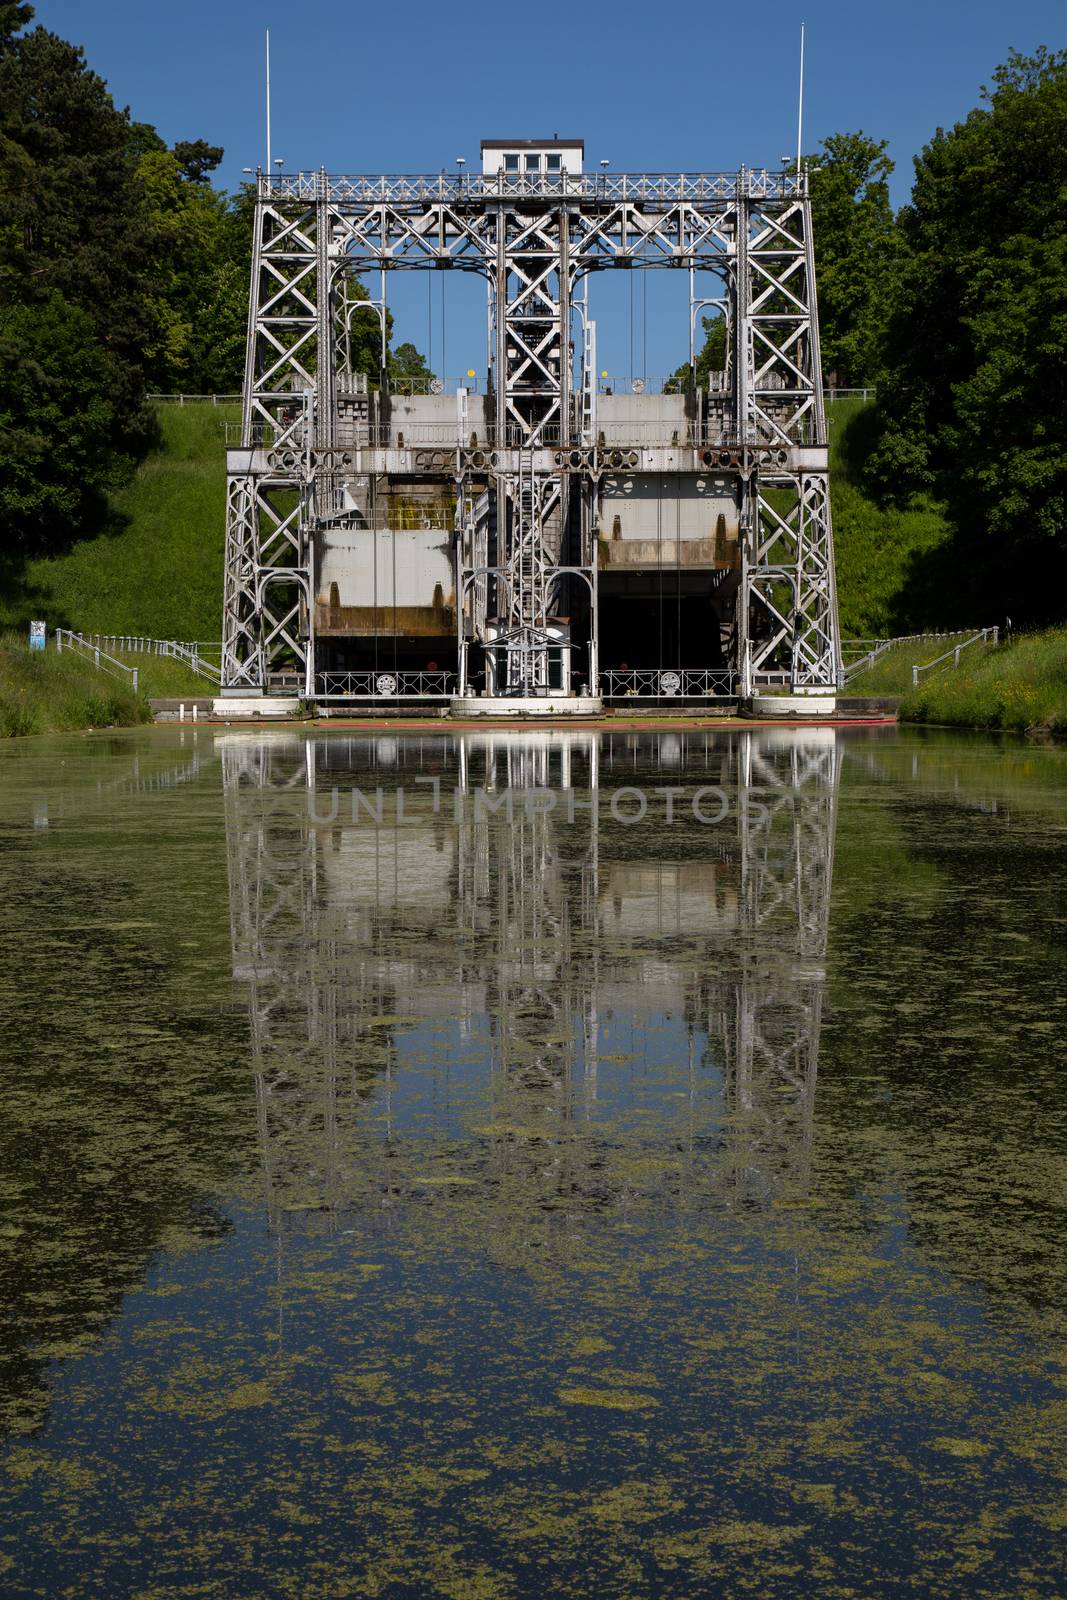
(656, 88)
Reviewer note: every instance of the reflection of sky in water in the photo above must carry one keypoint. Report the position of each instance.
(440, 1076)
(588, 1211)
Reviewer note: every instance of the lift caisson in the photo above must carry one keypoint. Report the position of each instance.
(550, 538)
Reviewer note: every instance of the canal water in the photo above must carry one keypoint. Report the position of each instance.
(514, 1164)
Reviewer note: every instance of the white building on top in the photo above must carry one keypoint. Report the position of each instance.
(533, 158)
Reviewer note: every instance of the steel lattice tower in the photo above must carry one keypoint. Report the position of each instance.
(530, 477)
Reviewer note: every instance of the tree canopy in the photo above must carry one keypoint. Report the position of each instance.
(972, 399)
(855, 239)
(123, 272)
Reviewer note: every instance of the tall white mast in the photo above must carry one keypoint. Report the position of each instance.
(800, 105)
(268, 103)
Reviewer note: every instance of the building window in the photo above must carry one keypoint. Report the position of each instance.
(533, 163)
(553, 163)
(511, 163)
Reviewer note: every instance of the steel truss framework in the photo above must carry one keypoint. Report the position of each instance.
(536, 241)
(520, 930)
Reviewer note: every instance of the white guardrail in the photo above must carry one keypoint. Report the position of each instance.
(665, 683)
(67, 639)
(983, 636)
(192, 654)
(98, 648)
(865, 652)
(386, 685)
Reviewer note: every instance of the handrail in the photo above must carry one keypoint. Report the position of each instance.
(385, 685)
(100, 658)
(977, 638)
(666, 683)
(188, 654)
(879, 648)
(470, 188)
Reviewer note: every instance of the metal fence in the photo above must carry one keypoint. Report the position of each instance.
(385, 685)
(666, 683)
(653, 188)
(196, 399)
(865, 652)
(67, 639)
(193, 655)
(983, 636)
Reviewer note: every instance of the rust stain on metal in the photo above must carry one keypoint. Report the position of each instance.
(429, 622)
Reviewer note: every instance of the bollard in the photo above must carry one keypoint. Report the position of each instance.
(915, 677)
(181, 710)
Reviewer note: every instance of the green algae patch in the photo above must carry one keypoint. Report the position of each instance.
(590, 1345)
(609, 1399)
(963, 1449)
(247, 1395)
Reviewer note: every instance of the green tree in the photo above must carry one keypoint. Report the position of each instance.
(197, 158)
(56, 425)
(973, 403)
(72, 219)
(855, 241)
(711, 357)
(407, 368)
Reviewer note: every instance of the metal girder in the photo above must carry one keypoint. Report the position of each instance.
(535, 240)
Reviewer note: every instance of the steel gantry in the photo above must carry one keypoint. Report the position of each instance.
(533, 468)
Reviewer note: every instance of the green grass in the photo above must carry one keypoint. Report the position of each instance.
(891, 673)
(46, 692)
(873, 547)
(160, 572)
(164, 678)
(1021, 686)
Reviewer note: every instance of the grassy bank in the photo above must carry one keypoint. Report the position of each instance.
(164, 678)
(1021, 687)
(875, 547)
(158, 571)
(45, 692)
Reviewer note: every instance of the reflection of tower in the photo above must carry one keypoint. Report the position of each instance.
(786, 876)
(508, 924)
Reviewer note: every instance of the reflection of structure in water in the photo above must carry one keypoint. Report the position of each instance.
(643, 1000)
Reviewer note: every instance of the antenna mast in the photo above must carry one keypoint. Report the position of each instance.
(268, 102)
(800, 104)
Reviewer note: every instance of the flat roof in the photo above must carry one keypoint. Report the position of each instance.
(533, 144)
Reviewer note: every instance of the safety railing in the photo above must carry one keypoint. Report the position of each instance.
(193, 655)
(863, 653)
(983, 636)
(649, 188)
(833, 393)
(67, 639)
(666, 683)
(609, 384)
(195, 399)
(385, 685)
(653, 433)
